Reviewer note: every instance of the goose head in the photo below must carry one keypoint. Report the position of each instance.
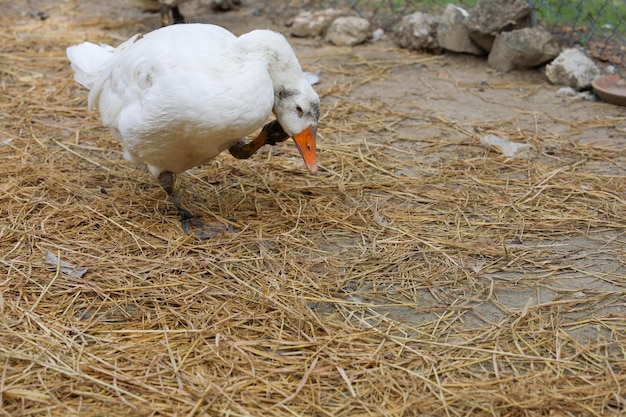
(296, 104)
(298, 111)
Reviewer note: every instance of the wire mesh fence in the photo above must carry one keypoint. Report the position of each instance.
(597, 26)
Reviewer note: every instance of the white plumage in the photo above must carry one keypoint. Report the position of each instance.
(178, 96)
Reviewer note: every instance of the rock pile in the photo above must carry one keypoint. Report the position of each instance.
(497, 28)
(334, 25)
(348, 31)
(492, 17)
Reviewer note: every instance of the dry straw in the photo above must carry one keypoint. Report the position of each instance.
(418, 274)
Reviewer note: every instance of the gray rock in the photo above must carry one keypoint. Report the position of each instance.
(572, 68)
(522, 49)
(453, 35)
(313, 24)
(348, 31)
(491, 17)
(418, 32)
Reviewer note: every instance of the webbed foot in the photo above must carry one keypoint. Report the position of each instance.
(199, 226)
(271, 134)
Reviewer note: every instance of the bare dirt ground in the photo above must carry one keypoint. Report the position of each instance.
(419, 273)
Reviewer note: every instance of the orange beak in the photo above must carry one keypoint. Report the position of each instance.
(305, 142)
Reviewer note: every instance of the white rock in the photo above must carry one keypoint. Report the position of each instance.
(575, 95)
(378, 35)
(566, 91)
(348, 31)
(418, 32)
(572, 68)
(313, 24)
(506, 147)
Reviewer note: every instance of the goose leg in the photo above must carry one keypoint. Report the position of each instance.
(271, 134)
(171, 15)
(165, 15)
(177, 16)
(201, 227)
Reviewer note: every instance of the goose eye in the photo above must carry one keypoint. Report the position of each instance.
(299, 111)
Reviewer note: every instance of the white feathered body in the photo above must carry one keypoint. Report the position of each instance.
(177, 97)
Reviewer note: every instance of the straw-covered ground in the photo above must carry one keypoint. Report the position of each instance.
(419, 273)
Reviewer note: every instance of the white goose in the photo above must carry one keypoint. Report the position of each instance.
(180, 95)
